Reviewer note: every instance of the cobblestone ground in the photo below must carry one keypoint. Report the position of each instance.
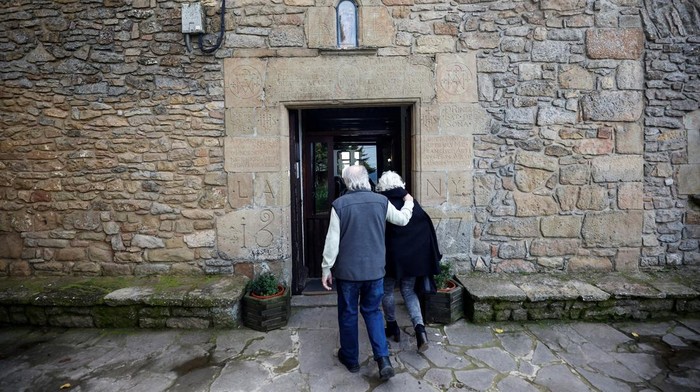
(571, 356)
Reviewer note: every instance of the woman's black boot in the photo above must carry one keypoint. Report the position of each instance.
(421, 338)
(392, 329)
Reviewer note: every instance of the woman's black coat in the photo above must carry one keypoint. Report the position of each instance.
(411, 250)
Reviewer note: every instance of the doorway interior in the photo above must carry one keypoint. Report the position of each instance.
(323, 141)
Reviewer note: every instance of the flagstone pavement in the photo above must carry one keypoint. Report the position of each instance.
(530, 356)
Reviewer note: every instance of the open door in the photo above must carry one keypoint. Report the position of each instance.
(327, 141)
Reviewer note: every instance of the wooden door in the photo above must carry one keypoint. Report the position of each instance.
(328, 140)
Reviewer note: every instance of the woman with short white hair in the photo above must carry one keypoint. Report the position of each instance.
(412, 254)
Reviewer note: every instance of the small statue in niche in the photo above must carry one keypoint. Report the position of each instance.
(347, 24)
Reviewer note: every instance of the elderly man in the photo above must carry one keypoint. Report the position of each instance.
(355, 250)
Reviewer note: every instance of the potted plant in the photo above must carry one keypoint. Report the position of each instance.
(266, 304)
(447, 304)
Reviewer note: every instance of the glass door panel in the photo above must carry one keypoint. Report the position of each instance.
(319, 152)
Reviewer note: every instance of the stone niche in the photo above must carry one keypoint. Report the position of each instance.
(441, 88)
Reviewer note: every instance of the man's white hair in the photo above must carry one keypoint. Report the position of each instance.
(356, 178)
(389, 180)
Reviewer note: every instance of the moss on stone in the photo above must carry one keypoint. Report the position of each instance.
(116, 317)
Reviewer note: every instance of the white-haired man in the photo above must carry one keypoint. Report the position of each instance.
(355, 250)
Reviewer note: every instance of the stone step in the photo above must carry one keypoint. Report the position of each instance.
(586, 296)
(123, 302)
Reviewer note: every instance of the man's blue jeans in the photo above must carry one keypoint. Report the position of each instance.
(369, 295)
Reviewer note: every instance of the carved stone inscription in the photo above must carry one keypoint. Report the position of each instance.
(446, 153)
(244, 80)
(252, 121)
(343, 77)
(467, 119)
(433, 189)
(429, 118)
(453, 230)
(459, 188)
(271, 189)
(253, 234)
(240, 189)
(456, 78)
(247, 154)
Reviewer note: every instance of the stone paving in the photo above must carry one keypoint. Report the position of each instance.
(508, 356)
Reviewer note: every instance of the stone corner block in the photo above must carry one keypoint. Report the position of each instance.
(614, 43)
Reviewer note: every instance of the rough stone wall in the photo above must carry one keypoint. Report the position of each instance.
(672, 134)
(111, 147)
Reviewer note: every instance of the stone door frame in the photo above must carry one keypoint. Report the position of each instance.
(296, 219)
(259, 94)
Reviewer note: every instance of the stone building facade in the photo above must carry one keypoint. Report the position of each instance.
(550, 135)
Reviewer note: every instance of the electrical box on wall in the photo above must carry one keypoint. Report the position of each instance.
(192, 18)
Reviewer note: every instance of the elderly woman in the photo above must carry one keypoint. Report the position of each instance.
(411, 252)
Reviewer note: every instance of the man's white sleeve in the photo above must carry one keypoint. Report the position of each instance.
(400, 218)
(330, 249)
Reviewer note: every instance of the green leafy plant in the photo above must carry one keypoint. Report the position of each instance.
(264, 284)
(444, 276)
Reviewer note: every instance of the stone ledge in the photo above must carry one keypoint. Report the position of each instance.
(107, 302)
(589, 296)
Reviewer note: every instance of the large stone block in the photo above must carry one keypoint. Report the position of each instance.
(321, 27)
(622, 44)
(286, 36)
(594, 146)
(551, 247)
(347, 77)
(551, 51)
(527, 179)
(429, 118)
(629, 139)
(551, 115)
(590, 263)
(613, 106)
(561, 226)
(483, 189)
(244, 80)
(536, 160)
(464, 119)
(456, 77)
(627, 260)
(514, 227)
(169, 255)
(459, 188)
(252, 154)
(563, 5)
(271, 189)
(377, 27)
(240, 189)
(630, 196)
(453, 230)
(592, 197)
(10, 246)
(244, 121)
(578, 174)
(528, 204)
(576, 77)
(691, 122)
(625, 168)
(630, 75)
(254, 234)
(446, 153)
(689, 179)
(433, 188)
(613, 229)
